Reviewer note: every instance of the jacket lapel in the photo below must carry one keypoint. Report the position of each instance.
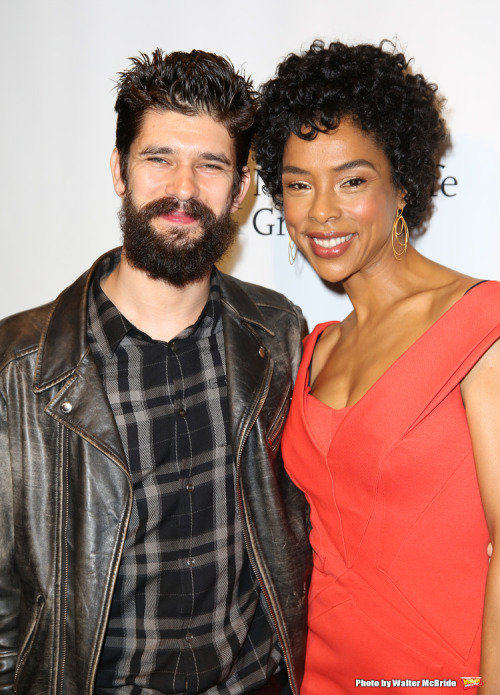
(64, 357)
(82, 406)
(249, 366)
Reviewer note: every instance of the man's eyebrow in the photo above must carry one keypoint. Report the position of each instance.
(216, 157)
(210, 156)
(156, 150)
(289, 169)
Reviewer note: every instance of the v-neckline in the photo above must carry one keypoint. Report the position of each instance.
(402, 356)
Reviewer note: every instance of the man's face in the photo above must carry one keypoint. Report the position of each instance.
(177, 198)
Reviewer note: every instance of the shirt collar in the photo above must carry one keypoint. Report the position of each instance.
(109, 326)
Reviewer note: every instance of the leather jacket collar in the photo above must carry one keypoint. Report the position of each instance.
(54, 365)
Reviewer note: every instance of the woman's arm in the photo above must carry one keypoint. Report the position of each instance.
(481, 396)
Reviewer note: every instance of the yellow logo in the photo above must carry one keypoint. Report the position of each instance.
(472, 682)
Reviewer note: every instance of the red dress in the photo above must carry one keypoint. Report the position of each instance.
(398, 528)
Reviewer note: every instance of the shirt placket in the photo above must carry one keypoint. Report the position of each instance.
(177, 368)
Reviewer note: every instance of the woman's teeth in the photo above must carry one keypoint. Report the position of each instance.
(332, 242)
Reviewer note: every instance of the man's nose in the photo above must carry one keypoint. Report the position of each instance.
(182, 183)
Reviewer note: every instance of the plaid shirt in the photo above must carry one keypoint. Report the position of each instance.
(187, 614)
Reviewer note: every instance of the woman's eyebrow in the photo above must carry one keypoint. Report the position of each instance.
(290, 169)
(355, 163)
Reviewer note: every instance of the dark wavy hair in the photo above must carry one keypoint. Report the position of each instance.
(190, 83)
(374, 87)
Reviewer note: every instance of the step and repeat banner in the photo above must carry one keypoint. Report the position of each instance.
(60, 59)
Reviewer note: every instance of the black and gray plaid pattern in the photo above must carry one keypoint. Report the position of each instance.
(187, 614)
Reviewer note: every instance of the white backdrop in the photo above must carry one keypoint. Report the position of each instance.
(59, 61)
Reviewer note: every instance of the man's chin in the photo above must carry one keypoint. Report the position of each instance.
(178, 234)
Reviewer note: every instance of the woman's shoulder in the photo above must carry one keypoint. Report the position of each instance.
(482, 293)
(473, 318)
(451, 288)
(487, 286)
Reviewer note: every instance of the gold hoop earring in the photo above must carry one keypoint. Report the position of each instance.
(292, 251)
(399, 237)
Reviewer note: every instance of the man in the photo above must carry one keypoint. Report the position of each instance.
(150, 540)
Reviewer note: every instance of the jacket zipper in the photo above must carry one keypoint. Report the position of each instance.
(26, 646)
(64, 556)
(64, 571)
(100, 640)
(251, 556)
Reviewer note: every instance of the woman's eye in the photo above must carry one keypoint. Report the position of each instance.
(354, 182)
(298, 186)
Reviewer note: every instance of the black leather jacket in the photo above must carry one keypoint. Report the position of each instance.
(65, 491)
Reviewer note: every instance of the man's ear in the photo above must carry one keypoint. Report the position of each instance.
(242, 190)
(118, 182)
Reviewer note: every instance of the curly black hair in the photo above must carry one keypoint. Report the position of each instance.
(373, 86)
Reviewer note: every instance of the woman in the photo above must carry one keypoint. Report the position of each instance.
(394, 429)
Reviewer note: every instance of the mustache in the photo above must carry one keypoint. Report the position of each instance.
(163, 206)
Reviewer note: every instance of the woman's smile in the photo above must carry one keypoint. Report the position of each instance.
(330, 246)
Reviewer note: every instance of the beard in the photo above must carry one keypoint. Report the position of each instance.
(174, 256)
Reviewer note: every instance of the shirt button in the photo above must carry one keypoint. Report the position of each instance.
(189, 637)
(173, 346)
(66, 407)
(262, 351)
(189, 486)
(182, 412)
(190, 561)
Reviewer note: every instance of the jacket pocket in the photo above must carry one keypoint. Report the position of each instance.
(276, 428)
(27, 643)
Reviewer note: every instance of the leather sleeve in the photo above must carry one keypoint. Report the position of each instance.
(9, 585)
(302, 322)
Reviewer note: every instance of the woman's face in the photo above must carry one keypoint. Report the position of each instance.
(339, 201)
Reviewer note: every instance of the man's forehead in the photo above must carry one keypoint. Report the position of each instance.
(171, 130)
